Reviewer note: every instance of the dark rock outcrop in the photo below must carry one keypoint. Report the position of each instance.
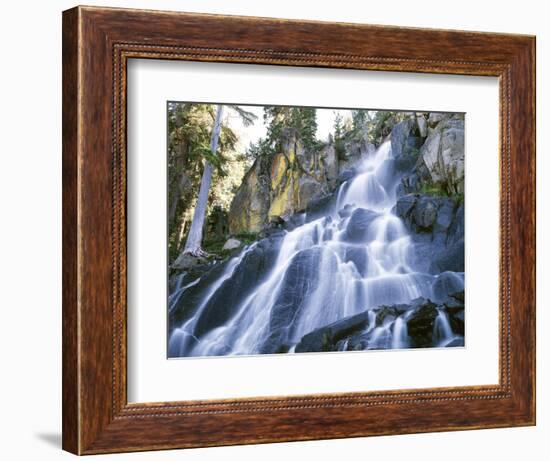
(431, 214)
(450, 258)
(406, 139)
(421, 325)
(219, 307)
(399, 137)
(316, 208)
(359, 223)
(447, 284)
(186, 306)
(425, 212)
(359, 257)
(326, 338)
(366, 329)
(437, 226)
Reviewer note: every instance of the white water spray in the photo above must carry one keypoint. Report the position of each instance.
(344, 273)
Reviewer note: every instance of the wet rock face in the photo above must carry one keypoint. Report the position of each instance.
(449, 259)
(223, 303)
(406, 139)
(432, 214)
(425, 212)
(316, 207)
(358, 224)
(299, 282)
(428, 324)
(448, 284)
(405, 206)
(422, 324)
(291, 189)
(359, 257)
(399, 136)
(185, 307)
(326, 338)
(346, 211)
(437, 225)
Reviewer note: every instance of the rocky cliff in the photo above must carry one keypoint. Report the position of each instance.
(428, 147)
(349, 273)
(434, 145)
(285, 183)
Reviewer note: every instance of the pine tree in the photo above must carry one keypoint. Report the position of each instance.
(221, 138)
(305, 121)
(339, 134)
(302, 119)
(359, 117)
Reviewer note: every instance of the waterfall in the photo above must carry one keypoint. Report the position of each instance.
(443, 332)
(374, 185)
(355, 258)
(178, 291)
(400, 334)
(183, 336)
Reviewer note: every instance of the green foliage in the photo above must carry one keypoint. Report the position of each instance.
(339, 145)
(305, 121)
(302, 119)
(257, 149)
(189, 131)
(381, 124)
(214, 246)
(248, 118)
(279, 118)
(433, 189)
(204, 151)
(359, 119)
(440, 190)
(247, 237)
(215, 249)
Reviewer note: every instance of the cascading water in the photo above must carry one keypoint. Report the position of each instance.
(443, 332)
(355, 258)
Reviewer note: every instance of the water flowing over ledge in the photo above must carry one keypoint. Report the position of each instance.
(351, 277)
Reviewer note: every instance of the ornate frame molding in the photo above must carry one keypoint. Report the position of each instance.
(97, 43)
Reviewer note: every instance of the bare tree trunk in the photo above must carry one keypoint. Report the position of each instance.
(194, 238)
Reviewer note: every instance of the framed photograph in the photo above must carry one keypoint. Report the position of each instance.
(282, 230)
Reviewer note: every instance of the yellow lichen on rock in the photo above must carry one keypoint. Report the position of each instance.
(278, 170)
(290, 151)
(282, 203)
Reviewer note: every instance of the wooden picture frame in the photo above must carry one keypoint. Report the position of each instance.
(97, 43)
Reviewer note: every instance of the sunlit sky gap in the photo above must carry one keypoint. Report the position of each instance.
(325, 124)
